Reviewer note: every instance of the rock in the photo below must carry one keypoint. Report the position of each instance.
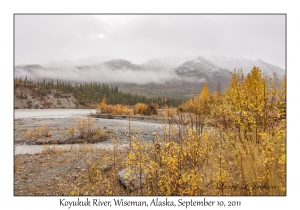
(105, 168)
(131, 179)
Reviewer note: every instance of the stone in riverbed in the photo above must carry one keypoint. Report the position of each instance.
(105, 168)
(131, 179)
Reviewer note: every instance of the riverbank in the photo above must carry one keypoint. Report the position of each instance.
(55, 172)
(63, 131)
(61, 166)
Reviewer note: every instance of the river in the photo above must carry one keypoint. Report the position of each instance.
(52, 113)
(61, 118)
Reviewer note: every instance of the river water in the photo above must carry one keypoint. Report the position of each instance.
(52, 113)
(32, 149)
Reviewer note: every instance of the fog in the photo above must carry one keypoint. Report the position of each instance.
(102, 75)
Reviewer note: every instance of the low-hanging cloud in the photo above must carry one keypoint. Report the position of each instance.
(102, 75)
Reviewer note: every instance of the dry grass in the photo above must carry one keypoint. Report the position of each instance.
(72, 131)
(87, 128)
(39, 132)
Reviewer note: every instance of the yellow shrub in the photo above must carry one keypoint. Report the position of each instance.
(113, 109)
(140, 108)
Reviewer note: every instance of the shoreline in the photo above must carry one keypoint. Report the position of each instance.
(59, 131)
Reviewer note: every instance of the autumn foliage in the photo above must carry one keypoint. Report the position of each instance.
(237, 149)
(223, 143)
(119, 109)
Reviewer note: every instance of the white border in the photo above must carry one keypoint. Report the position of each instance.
(8, 8)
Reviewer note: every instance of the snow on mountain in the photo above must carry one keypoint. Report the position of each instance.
(166, 63)
(173, 61)
(205, 71)
(120, 64)
(199, 67)
(246, 65)
(269, 69)
(155, 65)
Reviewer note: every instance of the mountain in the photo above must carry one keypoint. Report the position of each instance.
(91, 60)
(166, 63)
(155, 65)
(204, 70)
(112, 65)
(246, 65)
(199, 68)
(173, 61)
(269, 69)
(30, 69)
(168, 76)
(120, 64)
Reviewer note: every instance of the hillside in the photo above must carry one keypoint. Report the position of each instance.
(26, 98)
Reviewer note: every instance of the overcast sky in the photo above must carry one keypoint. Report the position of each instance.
(138, 38)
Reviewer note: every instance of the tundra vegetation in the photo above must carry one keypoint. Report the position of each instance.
(230, 142)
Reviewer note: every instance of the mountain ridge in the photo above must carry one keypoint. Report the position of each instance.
(154, 75)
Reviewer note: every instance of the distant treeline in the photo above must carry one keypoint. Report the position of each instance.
(93, 92)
